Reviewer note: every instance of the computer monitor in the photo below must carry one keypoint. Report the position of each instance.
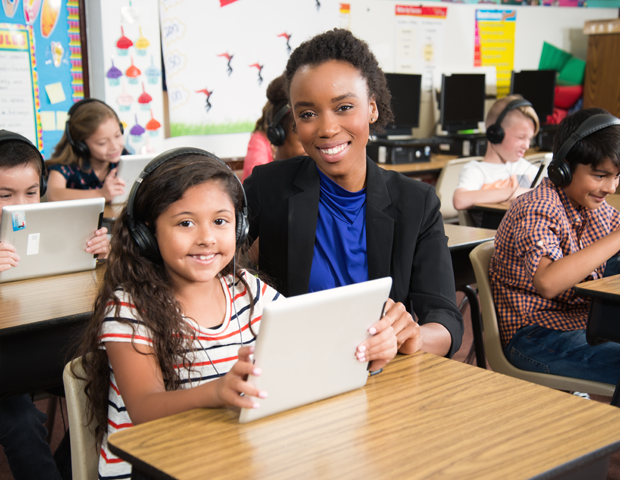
(462, 101)
(538, 87)
(405, 89)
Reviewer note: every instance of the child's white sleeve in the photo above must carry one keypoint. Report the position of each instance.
(124, 326)
(471, 177)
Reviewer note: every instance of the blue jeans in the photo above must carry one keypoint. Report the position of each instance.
(22, 435)
(539, 349)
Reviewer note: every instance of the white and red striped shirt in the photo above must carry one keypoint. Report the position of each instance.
(216, 351)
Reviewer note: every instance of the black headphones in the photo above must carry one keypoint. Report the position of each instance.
(495, 132)
(559, 170)
(6, 136)
(80, 148)
(146, 241)
(276, 133)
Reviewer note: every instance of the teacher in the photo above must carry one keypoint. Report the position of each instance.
(336, 218)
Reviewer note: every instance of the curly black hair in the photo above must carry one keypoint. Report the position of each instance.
(340, 44)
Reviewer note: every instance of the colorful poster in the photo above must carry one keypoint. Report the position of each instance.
(419, 40)
(495, 44)
(19, 89)
(219, 57)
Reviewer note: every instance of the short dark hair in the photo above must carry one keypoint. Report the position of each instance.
(593, 149)
(339, 44)
(15, 153)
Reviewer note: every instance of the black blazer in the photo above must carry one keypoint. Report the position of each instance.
(404, 229)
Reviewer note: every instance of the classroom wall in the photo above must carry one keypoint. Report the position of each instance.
(374, 21)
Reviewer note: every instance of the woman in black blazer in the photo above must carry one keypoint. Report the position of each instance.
(338, 94)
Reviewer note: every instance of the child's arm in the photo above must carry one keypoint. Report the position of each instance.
(8, 257)
(57, 188)
(99, 244)
(464, 199)
(140, 381)
(554, 277)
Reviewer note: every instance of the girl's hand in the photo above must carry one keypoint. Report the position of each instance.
(112, 186)
(8, 257)
(234, 383)
(99, 243)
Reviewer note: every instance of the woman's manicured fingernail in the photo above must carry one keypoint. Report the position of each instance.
(361, 348)
(372, 330)
(255, 405)
(361, 359)
(257, 371)
(251, 349)
(262, 394)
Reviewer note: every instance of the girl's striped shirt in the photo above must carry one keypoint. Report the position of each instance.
(216, 351)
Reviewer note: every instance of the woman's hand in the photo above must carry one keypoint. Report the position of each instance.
(99, 243)
(112, 186)
(406, 329)
(234, 383)
(8, 257)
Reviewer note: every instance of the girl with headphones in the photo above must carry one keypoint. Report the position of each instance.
(176, 317)
(84, 161)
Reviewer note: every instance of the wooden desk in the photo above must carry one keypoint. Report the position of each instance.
(40, 321)
(423, 417)
(604, 316)
(437, 163)
(461, 241)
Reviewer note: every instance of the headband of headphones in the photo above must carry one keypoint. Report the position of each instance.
(280, 114)
(519, 102)
(588, 127)
(140, 232)
(7, 136)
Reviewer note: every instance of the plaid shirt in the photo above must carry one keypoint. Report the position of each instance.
(543, 223)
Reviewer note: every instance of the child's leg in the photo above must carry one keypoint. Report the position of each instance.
(540, 349)
(22, 435)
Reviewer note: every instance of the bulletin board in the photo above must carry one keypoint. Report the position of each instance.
(41, 68)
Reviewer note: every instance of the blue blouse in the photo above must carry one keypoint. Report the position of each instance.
(340, 253)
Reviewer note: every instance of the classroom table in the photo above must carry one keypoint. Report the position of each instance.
(438, 161)
(461, 241)
(604, 316)
(423, 417)
(41, 319)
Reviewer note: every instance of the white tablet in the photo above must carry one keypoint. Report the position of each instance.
(50, 238)
(542, 170)
(306, 345)
(129, 168)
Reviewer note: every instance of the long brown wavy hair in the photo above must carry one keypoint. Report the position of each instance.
(147, 281)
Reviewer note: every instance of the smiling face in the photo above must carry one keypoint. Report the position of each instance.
(332, 113)
(519, 130)
(106, 143)
(196, 234)
(590, 186)
(19, 185)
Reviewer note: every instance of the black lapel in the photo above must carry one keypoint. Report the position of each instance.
(379, 225)
(303, 208)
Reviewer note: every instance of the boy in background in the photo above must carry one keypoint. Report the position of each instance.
(503, 174)
(22, 434)
(552, 238)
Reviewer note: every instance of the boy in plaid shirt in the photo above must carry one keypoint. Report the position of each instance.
(552, 238)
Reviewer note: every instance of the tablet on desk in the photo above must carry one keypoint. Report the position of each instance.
(129, 168)
(50, 238)
(306, 345)
(542, 170)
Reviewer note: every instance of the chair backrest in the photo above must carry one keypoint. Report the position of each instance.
(84, 451)
(481, 258)
(446, 185)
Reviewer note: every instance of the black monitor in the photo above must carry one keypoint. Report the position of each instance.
(462, 101)
(405, 90)
(538, 87)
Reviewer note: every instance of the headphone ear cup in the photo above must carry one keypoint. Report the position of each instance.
(120, 124)
(560, 173)
(495, 134)
(146, 241)
(242, 229)
(42, 185)
(276, 135)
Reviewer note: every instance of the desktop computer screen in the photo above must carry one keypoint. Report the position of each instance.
(537, 86)
(462, 101)
(405, 91)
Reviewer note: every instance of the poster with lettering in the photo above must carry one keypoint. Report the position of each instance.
(419, 40)
(19, 99)
(219, 56)
(495, 44)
